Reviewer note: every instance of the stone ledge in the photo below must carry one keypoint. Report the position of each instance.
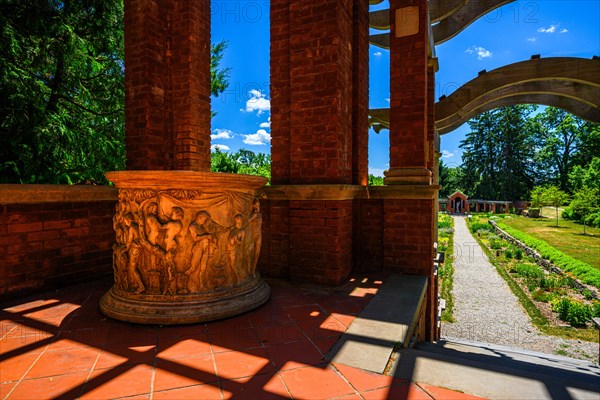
(313, 192)
(31, 194)
(350, 192)
(400, 192)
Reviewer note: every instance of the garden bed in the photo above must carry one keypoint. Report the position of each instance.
(554, 300)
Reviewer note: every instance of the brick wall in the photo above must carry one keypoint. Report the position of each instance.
(307, 241)
(44, 244)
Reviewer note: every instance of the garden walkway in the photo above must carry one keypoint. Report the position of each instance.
(485, 310)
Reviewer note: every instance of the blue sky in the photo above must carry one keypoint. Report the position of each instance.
(552, 28)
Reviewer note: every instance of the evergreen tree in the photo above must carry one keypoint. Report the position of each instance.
(497, 154)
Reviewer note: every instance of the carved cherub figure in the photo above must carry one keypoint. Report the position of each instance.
(132, 247)
(203, 232)
(234, 245)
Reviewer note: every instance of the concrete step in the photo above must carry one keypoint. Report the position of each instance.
(498, 372)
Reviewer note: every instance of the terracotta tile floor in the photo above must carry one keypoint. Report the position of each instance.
(58, 345)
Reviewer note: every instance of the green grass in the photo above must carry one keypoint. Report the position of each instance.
(568, 237)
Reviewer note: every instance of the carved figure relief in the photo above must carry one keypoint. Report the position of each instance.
(182, 242)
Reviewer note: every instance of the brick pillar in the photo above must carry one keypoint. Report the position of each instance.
(409, 93)
(360, 93)
(167, 82)
(319, 127)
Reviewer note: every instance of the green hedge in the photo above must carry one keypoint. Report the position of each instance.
(585, 272)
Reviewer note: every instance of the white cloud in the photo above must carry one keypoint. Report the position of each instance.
(221, 147)
(376, 171)
(261, 137)
(377, 53)
(532, 39)
(266, 125)
(388, 100)
(257, 102)
(480, 51)
(222, 134)
(550, 29)
(564, 30)
(447, 154)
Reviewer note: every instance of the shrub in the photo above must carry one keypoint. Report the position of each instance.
(593, 219)
(529, 271)
(518, 253)
(480, 226)
(573, 311)
(596, 309)
(551, 282)
(495, 242)
(542, 295)
(587, 294)
(508, 253)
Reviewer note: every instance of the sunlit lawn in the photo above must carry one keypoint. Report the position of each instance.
(568, 237)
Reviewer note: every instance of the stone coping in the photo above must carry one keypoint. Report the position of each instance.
(31, 194)
(184, 180)
(350, 192)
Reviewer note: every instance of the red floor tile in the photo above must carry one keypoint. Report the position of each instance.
(50, 387)
(268, 314)
(230, 324)
(327, 327)
(204, 392)
(181, 330)
(295, 355)
(5, 388)
(316, 383)
(280, 333)
(347, 307)
(263, 387)
(172, 348)
(234, 340)
(15, 367)
(121, 332)
(243, 364)
(346, 320)
(25, 344)
(293, 299)
(115, 354)
(405, 392)
(363, 380)
(447, 394)
(325, 344)
(305, 312)
(63, 362)
(194, 370)
(73, 337)
(59, 310)
(117, 382)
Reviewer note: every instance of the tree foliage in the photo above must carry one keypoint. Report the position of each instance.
(61, 119)
(62, 91)
(562, 141)
(450, 179)
(497, 154)
(241, 162)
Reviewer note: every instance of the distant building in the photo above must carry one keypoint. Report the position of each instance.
(459, 203)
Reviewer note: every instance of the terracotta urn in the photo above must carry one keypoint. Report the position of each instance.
(186, 249)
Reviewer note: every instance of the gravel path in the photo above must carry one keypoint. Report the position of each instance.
(485, 310)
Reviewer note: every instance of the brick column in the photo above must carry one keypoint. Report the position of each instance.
(409, 93)
(360, 93)
(167, 82)
(319, 129)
